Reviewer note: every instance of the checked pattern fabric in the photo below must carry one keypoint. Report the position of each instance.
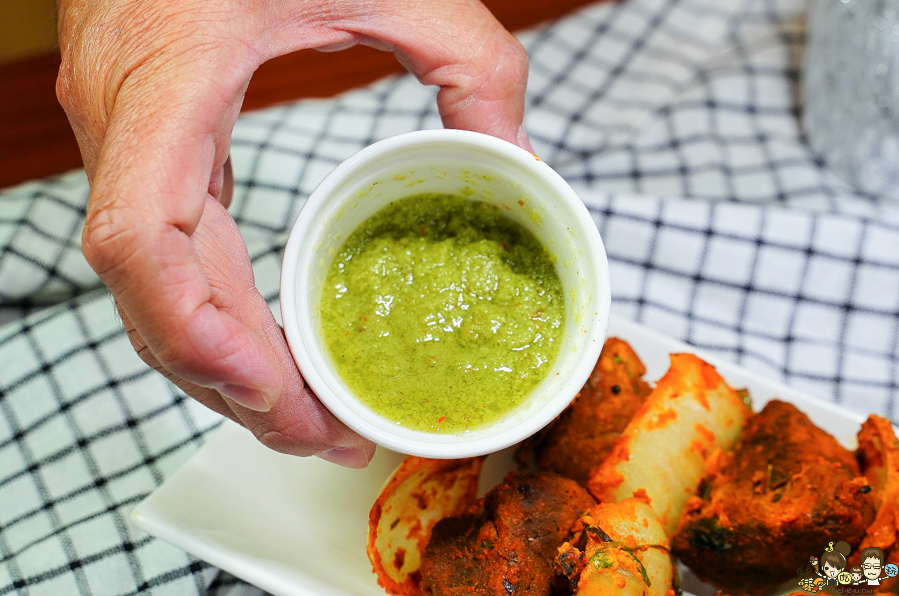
(676, 121)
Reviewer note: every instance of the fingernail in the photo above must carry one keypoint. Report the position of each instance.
(245, 396)
(524, 140)
(348, 457)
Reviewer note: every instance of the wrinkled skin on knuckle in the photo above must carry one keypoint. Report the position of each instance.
(496, 69)
(83, 71)
(104, 43)
(120, 246)
(517, 60)
(109, 240)
(66, 89)
(304, 14)
(94, 38)
(502, 60)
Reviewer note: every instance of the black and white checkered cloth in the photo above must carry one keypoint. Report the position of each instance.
(677, 123)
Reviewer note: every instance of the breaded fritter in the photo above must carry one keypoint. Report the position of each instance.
(506, 544)
(583, 435)
(786, 489)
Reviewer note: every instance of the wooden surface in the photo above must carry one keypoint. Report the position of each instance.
(36, 141)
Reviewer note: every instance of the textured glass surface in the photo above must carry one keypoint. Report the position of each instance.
(851, 87)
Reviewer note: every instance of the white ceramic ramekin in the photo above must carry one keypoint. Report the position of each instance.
(486, 169)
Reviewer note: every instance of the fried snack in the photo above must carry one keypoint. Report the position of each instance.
(878, 455)
(419, 494)
(583, 435)
(506, 544)
(618, 549)
(784, 491)
(662, 453)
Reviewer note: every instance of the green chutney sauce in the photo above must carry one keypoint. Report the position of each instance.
(442, 314)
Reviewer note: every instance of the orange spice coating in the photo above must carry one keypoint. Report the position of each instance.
(506, 543)
(618, 549)
(420, 492)
(583, 435)
(786, 489)
(668, 460)
(878, 455)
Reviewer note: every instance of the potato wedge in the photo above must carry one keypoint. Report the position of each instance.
(662, 453)
(878, 454)
(623, 552)
(420, 493)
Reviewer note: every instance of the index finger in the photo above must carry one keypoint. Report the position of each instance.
(167, 133)
(459, 45)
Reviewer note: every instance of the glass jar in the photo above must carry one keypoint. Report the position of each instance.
(851, 91)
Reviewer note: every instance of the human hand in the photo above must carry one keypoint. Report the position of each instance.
(152, 89)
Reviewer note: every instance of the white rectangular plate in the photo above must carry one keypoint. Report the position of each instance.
(298, 526)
